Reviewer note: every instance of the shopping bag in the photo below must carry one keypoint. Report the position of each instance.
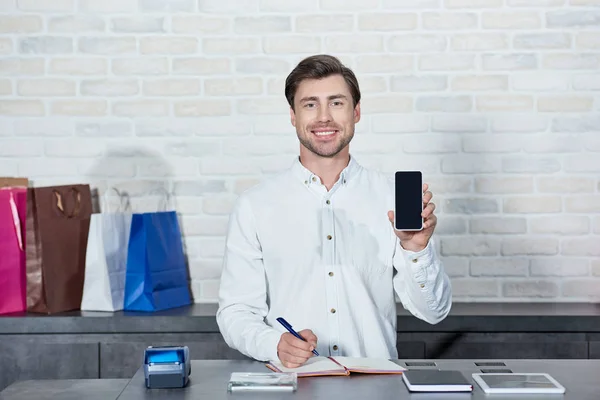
(106, 257)
(13, 208)
(157, 276)
(58, 220)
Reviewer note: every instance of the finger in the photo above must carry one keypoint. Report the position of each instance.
(306, 332)
(430, 222)
(298, 345)
(391, 216)
(294, 341)
(290, 365)
(300, 355)
(292, 354)
(425, 187)
(309, 336)
(312, 340)
(305, 351)
(427, 197)
(428, 210)
(292, 359)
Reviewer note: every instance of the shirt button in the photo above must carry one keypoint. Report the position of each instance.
(422, 285)
(333, 310)
(335, 347)
(306, 182)
(331, 274)
(328, 237)
(314, 179)
(328, 202)
(415, 260)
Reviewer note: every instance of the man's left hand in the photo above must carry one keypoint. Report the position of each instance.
(417, 240)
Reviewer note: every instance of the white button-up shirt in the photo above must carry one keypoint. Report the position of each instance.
(324, 260)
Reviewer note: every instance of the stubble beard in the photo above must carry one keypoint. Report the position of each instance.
(327, 150)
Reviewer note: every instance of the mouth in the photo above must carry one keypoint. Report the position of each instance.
(325, 134)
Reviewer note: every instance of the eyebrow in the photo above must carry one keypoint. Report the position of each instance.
(315, 98)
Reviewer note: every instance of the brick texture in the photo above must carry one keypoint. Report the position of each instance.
(496, 101)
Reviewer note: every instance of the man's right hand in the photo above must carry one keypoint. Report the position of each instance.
(294, 352)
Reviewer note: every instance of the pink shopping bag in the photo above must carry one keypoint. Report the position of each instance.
(13, 208)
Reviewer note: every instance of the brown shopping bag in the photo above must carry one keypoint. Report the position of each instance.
(58, 220)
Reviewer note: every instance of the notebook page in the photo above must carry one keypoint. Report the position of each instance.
(321, 365)
(366, 364)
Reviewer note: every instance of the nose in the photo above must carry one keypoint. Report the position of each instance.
(324, 114)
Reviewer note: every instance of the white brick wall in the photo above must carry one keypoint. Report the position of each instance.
(497, 101)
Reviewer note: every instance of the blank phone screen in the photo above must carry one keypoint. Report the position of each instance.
(408, 200)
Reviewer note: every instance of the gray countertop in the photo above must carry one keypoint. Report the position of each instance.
(65, 389)
(209, 381)
(200, 318)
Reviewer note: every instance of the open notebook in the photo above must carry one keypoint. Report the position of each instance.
(321, 366)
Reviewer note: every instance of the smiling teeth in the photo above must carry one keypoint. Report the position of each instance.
(324, 133)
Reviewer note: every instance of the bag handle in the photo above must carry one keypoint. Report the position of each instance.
(165, 202)
(60, 204)
(16, 220)
(125, 204)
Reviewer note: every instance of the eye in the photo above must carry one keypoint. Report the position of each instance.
(337, 103)
(309, 105)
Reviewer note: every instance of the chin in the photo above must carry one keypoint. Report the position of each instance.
(326, 151)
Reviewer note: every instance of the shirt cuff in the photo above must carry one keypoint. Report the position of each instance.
(270, 343)
(419, 261)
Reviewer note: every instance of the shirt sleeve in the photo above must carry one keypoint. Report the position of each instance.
(421, 283)
(243, 289)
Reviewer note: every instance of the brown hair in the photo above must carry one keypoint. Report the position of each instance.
(318, 67)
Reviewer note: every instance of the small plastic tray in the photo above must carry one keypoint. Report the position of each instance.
(262, 382)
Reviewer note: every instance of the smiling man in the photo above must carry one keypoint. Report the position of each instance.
(316, 244)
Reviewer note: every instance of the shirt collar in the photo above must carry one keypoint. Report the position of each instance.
(307, 177)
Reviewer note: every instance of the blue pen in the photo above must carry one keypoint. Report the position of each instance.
(287, 326)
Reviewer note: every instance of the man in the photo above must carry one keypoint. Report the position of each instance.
(316, 244)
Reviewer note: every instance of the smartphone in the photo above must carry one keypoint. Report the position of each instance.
(408, 201)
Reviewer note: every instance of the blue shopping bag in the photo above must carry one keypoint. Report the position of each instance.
(156, 273)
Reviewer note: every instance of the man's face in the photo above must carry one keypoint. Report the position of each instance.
(324, 115)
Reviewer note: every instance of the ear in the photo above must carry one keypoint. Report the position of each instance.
(292, 117)
(357, 113)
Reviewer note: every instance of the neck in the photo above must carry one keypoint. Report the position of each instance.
(328, 169)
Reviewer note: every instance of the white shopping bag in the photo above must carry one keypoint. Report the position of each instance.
(106, 259)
